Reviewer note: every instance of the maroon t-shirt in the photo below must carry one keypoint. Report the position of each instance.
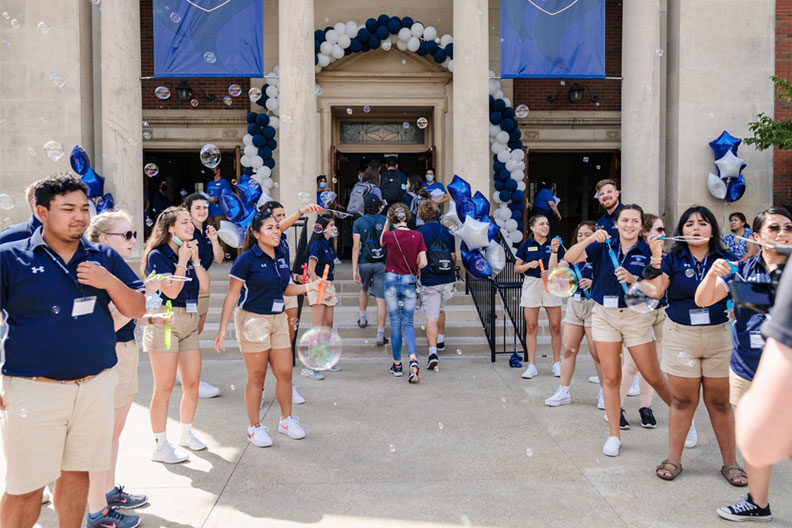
(411, 242)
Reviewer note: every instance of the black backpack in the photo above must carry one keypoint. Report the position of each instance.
(371, 250)
(391, 186)
(438, 257)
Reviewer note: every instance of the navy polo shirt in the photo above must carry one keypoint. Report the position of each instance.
(205, 250)
(126, 333)
(608, 221)
(163, 260)
(745, 359)
(322, 251)
(38, 290)
(531, 250)
(369, 227)
(685, 274)
(431, 231)
(265, 279)
(604, 281)
(20, 231)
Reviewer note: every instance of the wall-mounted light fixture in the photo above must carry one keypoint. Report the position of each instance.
(576, 94)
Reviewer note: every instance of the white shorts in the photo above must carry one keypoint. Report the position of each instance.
(534, 294)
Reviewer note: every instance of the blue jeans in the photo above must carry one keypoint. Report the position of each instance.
(400, 299)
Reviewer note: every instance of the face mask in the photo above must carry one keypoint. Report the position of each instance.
(177, 241)
(429, 177)
(183, 193)
(322, 185)
(360, 177)
(164, 188)
(332, 232)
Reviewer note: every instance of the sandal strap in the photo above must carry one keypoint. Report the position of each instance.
(676, 465)
(734, 470)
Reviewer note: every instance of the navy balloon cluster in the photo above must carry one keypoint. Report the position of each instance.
(82, 165)
(729, 183)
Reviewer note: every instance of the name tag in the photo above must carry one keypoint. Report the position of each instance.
(277, 306)
(576, 297)
(699, 317)
(533, 248)
(191, 306)
(610, 301)
(757, 341)
(83, 306)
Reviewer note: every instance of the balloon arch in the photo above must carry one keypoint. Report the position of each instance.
(335, 42)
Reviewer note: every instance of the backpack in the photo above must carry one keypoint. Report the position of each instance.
(438, 257)
(360, 190)
(391, 186)
(417, 200)
(371, 250)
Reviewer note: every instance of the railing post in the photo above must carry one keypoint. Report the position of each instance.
(491, 285)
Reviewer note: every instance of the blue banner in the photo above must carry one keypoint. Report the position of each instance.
(208, 38)
(552, 38)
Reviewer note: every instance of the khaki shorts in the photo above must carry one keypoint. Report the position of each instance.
(534, 294)
(696, 351)
(127, 369)
(578, 313)
(737, 387)
(328, 299)
(289, 302)
(274, 330)
(52, 426)
(657, 325)
(203, 303)
(621, 325)
(184, 334)
(432, 300)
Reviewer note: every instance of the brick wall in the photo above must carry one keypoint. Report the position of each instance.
(217, 86)
(534, 92)
(782, 160)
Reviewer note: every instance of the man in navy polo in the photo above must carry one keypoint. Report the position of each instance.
(59, 350)
(608, 195)
(25, 229)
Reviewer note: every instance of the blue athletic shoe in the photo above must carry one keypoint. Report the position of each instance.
(118, 498)
(110, 518)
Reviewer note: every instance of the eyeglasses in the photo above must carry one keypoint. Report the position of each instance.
(129, 235)
(775, 228)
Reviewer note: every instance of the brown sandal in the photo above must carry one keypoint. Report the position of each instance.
(673, 468)
(732, 472)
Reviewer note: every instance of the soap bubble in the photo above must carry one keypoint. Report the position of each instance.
(175, 18)
(349, 111)
(57, 79)
(256, 329)
(392, 448)
(6, 202)
(367, 109)
(151, 169)
(386, 45)
(55, 310)
(521, 111)
(304, 197)
(320, 348)
(147, 135)
(286, 119)
(227, 256)
(405, 125)
(404, 61)
(194, 103)
(149, 222)
(162, 92)
(448, 291)
(660, 52)
(254, 94)
(318, 228)
(422, 123)
(401, 304)
(585, 159)
(562, 282)
(234, 90)
(685, 359)
(233, 182)
(529, 452)
(53, 150)
(210, 57)
(318, 90)
(32, 152)
(43, 27)
(440, 426)
(210, 156)
(15, 23)
(6, 44)
(95, 2)
(400, 214)
(227, 100)
(6, 15)
(459, 351)
(464, 519)
(640, 297)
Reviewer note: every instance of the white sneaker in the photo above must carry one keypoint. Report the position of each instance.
(594, 380)
(258, 436)
(291, 426)
(46, 496)
(611, 446)
(530, 372)
(692, 436)
(337, 260)
(191, 442)
(635, 389)
(561, 397)
(168, 455)
(601, 401)
(296, 398)
(557, 369)
(207, 390)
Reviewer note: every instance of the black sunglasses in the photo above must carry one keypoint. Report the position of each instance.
(129, 235)
(775, 228)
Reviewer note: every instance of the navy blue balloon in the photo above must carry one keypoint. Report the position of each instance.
(499, 105)
(459, 189)
(508, 112)
(319, 35)
(262, 120)
(251, 117)
(515, 134)
(735, 189)
(373, 42)
(449, 49)
(508, 125)
(249, 191)
(476, 264)
(514, 145)
(496, 118)
(439, 56)
(511, 184)
(94, 182)
(431, 46)
(364, 34)
(265, 152)
(491, 101)
(517, 196)
(348, 51)
(371, 25)
(520, 225)
(268, 132)
(422, 51)
(247, 170)
(498, 166)
(105, 203)
(724, 143)
(504, 195)
(382, 32)
(516, 207)
(464, 208)
(272, 144)
(407, 22)
(261, 101)
(356, 46)
(383, 20)
(231, 206)
(517, 215)
(482, 205)
(79, 160)
(328, 28)
(317, 46)
(259, 140)
(253, 129)
(365, 47)
(503, 175)
(269, 162)
(394, 25)
(498, 184)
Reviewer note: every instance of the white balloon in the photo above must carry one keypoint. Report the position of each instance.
(517, 175)
(271, 78)
(271, 91)
(518, 154)
(490, 74)
(230, 234)
(502, 137)
(272, 104)
(317, 68)
(507, 101)
(247, 139)
(265, 172)
(520, 185)
(451, 216)
(496, 199)
(276, 69)
(344, 41)
(417, 29)
(251, 150)
(404, 34)
(716, 186)
(503, 212)
(263, 199)
(274, 122)
(324, 60)
(499, 222)
(401, 44)
(451, 65)
(473, 233)
(331, 36)
(515, 237)
(256, 162)
(510, 224)
(503, 155)
(337, 52)
(245, 160)
(498, 94)
(352, 28)
(493, 130)
(521, 166)
(430, 33)
(511, 164)
(445, 40)
(729, 165)
(497, 147)
(496, 257)
(268, 183)
(413, 44)
(493, 87)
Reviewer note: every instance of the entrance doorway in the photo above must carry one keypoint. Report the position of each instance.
(572, 177)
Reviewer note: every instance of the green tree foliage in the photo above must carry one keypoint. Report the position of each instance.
(768, 132)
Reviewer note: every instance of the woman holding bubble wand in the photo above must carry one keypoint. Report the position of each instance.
(262, 326)
(616, 263)
(697, 342)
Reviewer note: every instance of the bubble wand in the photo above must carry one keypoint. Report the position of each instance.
(616, 264)
(168, 312)
(323, 283)
(305, 276)
(544, 279)
(681, 238)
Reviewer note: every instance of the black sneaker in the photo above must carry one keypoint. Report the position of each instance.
(441, 345)
(414, 377)
(623, 423)
(647, 418)
(362, 324)
(745, 510)
(110, 518)
(432, 363)
(396, 370)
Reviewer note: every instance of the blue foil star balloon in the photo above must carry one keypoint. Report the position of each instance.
(94, 182)
(459, 189)
(725, 143)
(79, 160)
(105, 203)
(482, 205)
(231, 206)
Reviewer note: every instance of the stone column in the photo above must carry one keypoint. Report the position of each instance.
(471, 94)
(121, 108)
(642, 56)
(298, 117)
